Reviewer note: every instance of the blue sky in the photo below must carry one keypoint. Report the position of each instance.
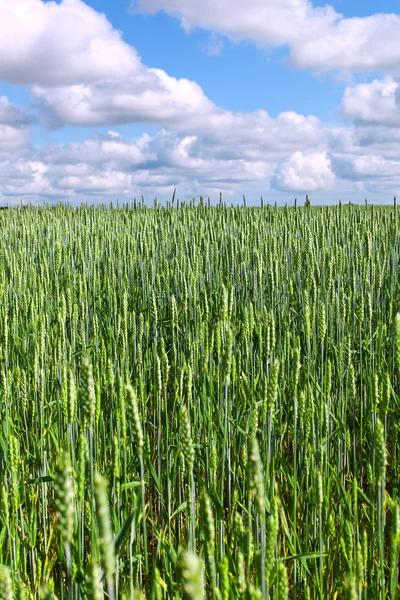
(277, 98)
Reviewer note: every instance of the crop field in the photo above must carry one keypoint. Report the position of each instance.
(199, 402)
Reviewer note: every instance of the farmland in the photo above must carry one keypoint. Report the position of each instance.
(199, 402)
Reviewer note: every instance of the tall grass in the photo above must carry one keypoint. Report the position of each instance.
(199, 402)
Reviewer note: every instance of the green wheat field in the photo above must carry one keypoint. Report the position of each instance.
(200, 402)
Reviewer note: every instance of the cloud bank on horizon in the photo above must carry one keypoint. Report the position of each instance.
(84, 88)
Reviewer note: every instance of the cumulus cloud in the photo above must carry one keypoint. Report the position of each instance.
(148, 96)
(24, 178)
(227, 152)
(367, 166)
(12, 137)
(14, 121)
(367, 153)
(81, 73)
(271, 23)
(257, 132)
(110, 165)
(47, 43)
(356, 44)
(306, 173)
(99, 151)
(366, 156)
(319, 38)
(92, 77)
(375, 102)
(212, 150)
(178, 105)
(11, 114)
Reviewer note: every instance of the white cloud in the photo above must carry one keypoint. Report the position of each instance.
(368, 152)
(14, 121)
(181, 106)
(81, 72)
(260, 131)
(148, 96)
(58, 44)
(12, 137)
(11, 114)
(356, 44)
(306, 173)
(367, 166)
(375, 102)
(366, 156)
(25, 178)
(271, 23)
(99, 152)
(100, 184)
(319, 38)
(113, 166)
(91, 77)
(107, 166)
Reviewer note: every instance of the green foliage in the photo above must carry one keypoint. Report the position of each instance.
(200, 402)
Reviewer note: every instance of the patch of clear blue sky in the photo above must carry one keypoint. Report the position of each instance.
(361, 8)
(242, 78)
(15, 93)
